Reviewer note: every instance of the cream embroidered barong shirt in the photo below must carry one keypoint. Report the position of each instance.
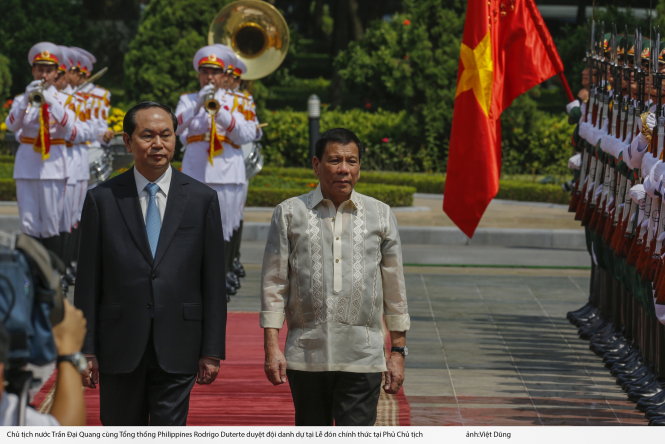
(333, 275)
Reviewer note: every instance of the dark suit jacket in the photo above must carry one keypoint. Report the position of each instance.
(119, 287)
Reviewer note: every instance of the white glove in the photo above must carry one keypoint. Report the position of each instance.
(50, 96)
(571, 105)
(575, 162)
(224, 118)
(651, 121)
(203, 94)
(637, 193)
(33, 86)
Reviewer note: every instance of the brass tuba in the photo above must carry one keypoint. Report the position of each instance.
(256, 32)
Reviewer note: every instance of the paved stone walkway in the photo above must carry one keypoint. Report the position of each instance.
(492, 347)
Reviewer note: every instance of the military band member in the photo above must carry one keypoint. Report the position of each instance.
(243, 102)
(73, 158)
(43, 124)
(214, 132)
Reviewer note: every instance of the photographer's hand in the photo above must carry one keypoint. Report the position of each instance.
(68, 405)
(69, 334)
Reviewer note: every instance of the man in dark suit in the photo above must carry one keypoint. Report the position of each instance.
(150, 280)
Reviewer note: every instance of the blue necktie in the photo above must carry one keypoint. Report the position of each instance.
(153, 221)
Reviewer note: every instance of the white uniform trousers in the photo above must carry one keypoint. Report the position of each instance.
(230, 197)
(66, 221)
(243, 199)
(81, 191)
(40, 206)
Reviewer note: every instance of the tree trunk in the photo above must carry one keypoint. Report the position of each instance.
(348, 27)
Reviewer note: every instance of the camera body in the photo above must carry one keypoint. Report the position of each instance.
(31, 302)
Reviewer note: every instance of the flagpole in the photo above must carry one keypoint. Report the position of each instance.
(566, 86)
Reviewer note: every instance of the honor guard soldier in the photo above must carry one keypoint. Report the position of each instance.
(213, 134)
(43, 125)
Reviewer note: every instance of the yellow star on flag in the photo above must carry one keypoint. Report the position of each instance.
(477, 73)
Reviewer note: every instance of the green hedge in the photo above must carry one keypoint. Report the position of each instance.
(422, 182)
(532, 192)
(266, 194)
(274, 185)
(7, 189)
(6, 169)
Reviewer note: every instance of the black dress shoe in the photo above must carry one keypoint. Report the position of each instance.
(653, 403)
(607, 344)
(586, 331)
(655, 410)
(587, 319)
(657, 421)
(638, 384)
(581, 315)
(645, 392)
(626, 367)
(627, 378)
(230, 291)
(237, 268)
(622, 357)
(233, 280)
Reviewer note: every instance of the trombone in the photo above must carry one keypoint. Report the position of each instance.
(36, 97)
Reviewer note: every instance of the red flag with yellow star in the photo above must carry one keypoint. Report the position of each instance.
(506, 50)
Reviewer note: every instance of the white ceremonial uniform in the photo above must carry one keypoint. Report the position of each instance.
(244, 102)
(40, 183)
(226, 174)
(75, 146)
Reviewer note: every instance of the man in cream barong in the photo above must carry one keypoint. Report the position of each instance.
(332, 269)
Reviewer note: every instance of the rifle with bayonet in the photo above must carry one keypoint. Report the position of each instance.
(646, 265)
(578, 202)
(644, 219)
(584, 147)
(601, 127)
(622, 199)
(633, 210)
(612, 199)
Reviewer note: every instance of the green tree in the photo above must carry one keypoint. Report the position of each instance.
(26, 23)
(410, 62)
(5, 78)
(158, 63)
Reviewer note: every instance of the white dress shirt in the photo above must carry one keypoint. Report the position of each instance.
(163, 182)
(9, 405)
(334, 275)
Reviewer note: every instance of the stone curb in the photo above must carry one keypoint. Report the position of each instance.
(496, 237)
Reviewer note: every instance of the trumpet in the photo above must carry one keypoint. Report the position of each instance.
(211, 104)
(36, 97)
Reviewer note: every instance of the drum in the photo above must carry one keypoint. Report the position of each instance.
(101, 165)
(253, 159)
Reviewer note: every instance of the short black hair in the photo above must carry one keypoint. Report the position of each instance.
(337, 135)
(129, 122)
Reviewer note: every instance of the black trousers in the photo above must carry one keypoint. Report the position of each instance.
(146, 396)
(334, 398)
